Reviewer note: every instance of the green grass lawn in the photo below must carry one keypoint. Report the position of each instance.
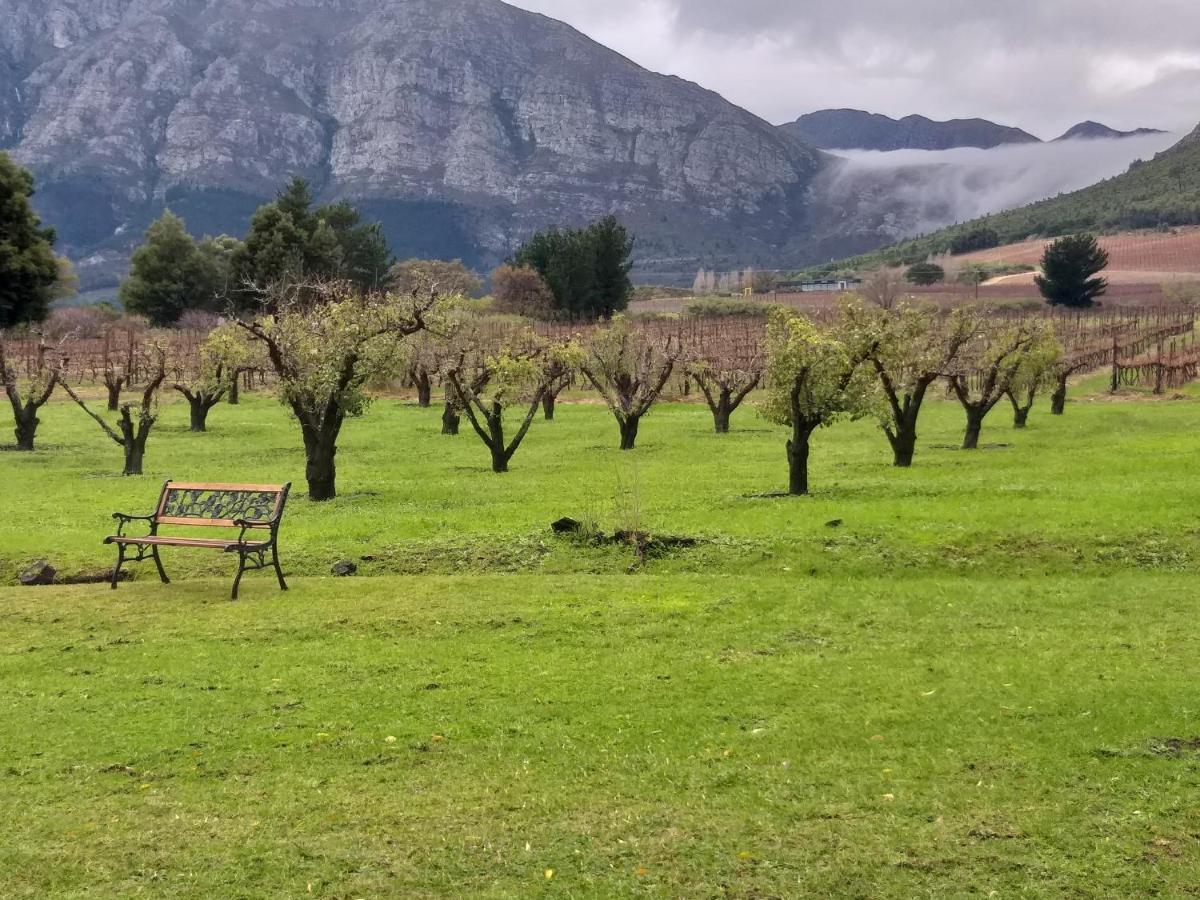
(981, 682)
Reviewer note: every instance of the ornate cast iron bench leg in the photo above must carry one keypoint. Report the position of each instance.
(162, 573)
(240, 572)
(278, 571)
(116, 575)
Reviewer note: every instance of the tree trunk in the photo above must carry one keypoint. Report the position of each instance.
(114, 395)
(451, 420)
(198, 409)
(320, 469)
(629, 432)
(235, 389)
(1058, 400)
(495, 423)
(27, 424)
(499, 460)
(904, 444)
(797, 450)
(722, 411)
(974, 427)
(549, 401)
(135, 454)
(424, 389)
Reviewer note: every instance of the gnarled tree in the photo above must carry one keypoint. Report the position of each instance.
(908, 347)
(213, 373)
(726, 362)
(1037, 367)
(514, 375)
(28, 396)
(629, 366)
(133, 428)
(987, 369)
(811, 381)
(326, 342)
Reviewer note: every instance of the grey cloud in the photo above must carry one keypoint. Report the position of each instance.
(1039, 64)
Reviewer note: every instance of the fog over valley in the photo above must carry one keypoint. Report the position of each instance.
(914, 191)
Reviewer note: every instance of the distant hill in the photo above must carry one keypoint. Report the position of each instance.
(1161, 192)
(1096, 131)
(853, 129)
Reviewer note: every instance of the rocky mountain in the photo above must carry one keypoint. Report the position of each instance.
(461, 124)
(847, 129)
(1092, 131)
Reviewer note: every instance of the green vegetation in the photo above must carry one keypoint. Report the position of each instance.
(980, 680)
(291, 241)
(1070, 271)
(925, 273)
(170, 274)
(586, 269)
(29, 271)
(1157, 193)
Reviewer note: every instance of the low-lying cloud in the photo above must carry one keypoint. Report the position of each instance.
(928, 189)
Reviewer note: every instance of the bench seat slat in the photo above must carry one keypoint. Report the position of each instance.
(184, 542)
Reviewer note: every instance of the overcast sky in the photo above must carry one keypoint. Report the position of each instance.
(1042, 65)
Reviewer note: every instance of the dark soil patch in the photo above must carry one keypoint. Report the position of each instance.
(980, 447)
(1175, 746)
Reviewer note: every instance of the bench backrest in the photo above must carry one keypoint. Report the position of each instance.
(221, 505)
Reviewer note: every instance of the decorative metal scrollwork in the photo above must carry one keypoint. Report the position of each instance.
(251, 506)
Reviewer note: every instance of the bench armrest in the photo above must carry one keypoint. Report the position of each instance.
(247, 526)
(124, 519)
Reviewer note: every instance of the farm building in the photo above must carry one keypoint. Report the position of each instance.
(824, 286)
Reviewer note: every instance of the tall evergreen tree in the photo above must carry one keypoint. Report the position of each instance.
(169, 274)
(1070, 271)
(29, 270)
(290, 240)
(587, 270)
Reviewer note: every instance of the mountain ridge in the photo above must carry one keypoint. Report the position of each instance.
(462, 124)
(847, 129)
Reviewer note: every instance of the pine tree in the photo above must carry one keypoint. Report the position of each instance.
(29, 270)
(169, 275)
(1070, 267)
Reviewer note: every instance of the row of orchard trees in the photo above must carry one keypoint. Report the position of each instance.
(327, 344)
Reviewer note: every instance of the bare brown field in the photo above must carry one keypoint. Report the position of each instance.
(1144, 255)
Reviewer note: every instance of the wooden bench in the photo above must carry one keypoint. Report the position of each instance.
(254, 508)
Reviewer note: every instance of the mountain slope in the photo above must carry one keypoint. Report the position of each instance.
(847, 129)
(1161, 192)
(462, 124)
(1096, 131)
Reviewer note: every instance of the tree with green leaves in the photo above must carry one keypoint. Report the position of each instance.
(925, 274)
(170, 275)
(214, 373)
(909, 348)
(586, 269)
(326, 342)
(629, 367)
(29, 270)
(1071, 267)
(989, 367)
(290, 241)
(811, 381)
(1038, 366)
(974, 274)
(514, 375)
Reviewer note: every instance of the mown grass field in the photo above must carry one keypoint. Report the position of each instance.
(980, 682)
